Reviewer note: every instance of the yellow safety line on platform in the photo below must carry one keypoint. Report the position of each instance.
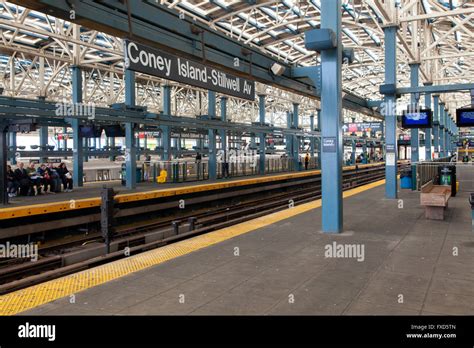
(73, 204)
(25, 299)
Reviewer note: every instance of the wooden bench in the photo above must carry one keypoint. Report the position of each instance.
(435, 200)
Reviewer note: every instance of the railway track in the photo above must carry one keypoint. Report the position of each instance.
(65, 257)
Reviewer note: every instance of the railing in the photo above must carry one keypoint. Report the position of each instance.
(428, 171)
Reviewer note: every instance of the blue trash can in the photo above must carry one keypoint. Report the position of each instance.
(405, 178)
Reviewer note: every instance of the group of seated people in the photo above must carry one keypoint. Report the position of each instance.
(32, 181)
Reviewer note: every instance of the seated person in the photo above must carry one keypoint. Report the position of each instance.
(55, 179)
(36, 180)
(45, 177)
(12, 183)
(65, 177)
(23, 179)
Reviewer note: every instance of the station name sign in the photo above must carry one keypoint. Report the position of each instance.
(151, 61)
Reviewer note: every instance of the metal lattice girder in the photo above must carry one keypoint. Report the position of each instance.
(40, 48)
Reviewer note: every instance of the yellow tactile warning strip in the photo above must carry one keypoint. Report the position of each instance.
(47, 208)
(22, 300)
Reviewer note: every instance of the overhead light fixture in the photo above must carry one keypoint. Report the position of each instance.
(277, 69)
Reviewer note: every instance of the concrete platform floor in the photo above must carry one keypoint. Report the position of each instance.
(410, 266)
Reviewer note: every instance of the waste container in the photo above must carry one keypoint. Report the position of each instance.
(405, 178)
(447, 176)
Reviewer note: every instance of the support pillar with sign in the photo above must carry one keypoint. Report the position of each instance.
(318, 140)
(78, 146)
(390, 112)
(223, 136)
(327, 40)
(130, 143)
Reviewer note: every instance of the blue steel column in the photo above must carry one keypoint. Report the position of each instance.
(415, 134)
(390, 113)
(223, 133)
(428, 130)
(12, 143)
(331, 115)
(318, 141)
(43, 140)
(211, 112)
(77, 148)
(165, 130)
(364, 148)
(436, 124)
(353, 153)
(263, 136)
(288, 138)
(446, 130)
(296, 139)
(130, 143)
(442, 150)
(312, 140)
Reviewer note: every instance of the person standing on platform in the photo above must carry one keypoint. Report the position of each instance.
(306, 161)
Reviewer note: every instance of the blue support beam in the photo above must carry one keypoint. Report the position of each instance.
(364, 149)
(331, 126)
(211, 112)
(436, 125)
(318, 140)
(43, 141)
(78, 148)
(263, 136)
(312, 140)
(442, 125)
(428, 130)
(390, 113)
(165, 130)
(223, 132)
(296, 139)
(130, 142)
(13, 144)
(436, 88)
(415, 134)
(289, 138)
(353, 153)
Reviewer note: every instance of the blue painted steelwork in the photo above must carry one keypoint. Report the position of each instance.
(211, 112)
(43, 140)
(312, 141)
(223, 132)
(318, 140)
(428, 130)
(415, 134)
(436, 124)
(364, 148)
(353, 153)
(165, 130)
(389, 111)
(436, 88)
(331, 110)
(12, 144)
(442, 120)
(78, 148)
(296, 139)
(289, 138)
(261, 111)
(130, 143)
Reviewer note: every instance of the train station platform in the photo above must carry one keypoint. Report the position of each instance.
(401, 263)
(88, 196)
